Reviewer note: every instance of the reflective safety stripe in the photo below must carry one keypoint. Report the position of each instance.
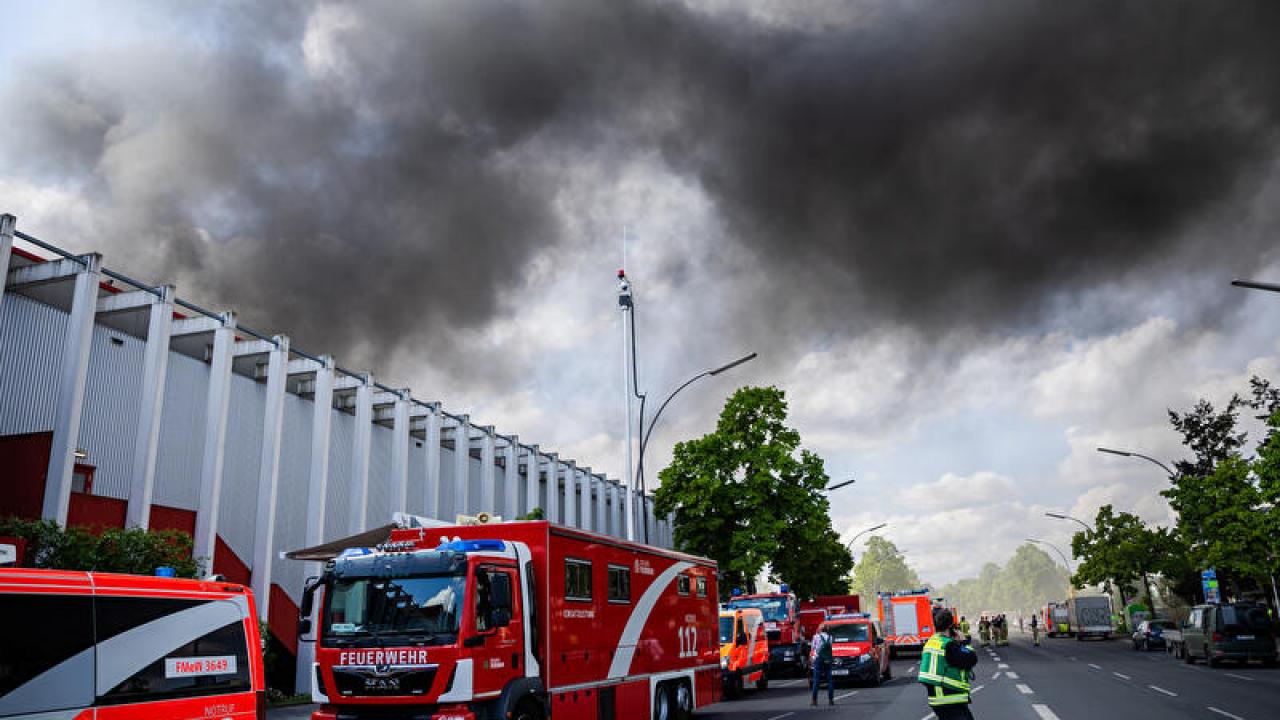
(938, 696)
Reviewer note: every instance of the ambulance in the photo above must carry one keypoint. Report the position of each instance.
(744, 651)
(516, 620)
(83, 645)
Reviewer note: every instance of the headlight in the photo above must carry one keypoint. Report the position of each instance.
(789, 655)
(864, 657)
(724, 661)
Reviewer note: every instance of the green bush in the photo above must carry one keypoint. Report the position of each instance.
(135, 551)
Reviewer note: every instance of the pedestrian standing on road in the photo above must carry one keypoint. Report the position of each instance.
(984, 631)
(946, 669)
(964, 626)
(820, 659)
(1035, 630)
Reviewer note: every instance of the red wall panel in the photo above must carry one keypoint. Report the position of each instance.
(227, 564)
(95, 512)
(282, 616)
(171, 518)
(24, 460)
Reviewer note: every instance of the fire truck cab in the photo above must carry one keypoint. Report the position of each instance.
(907, 620)
(517, 621)
(781, 624)
(744, 651)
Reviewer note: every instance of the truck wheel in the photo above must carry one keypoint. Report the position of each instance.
(1211, 661)
(684, 701)
(888, 671)
(663, 707)
(763, 683)
(734, 689)
(528, 709)
(1186, 656)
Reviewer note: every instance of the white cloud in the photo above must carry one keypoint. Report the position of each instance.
(952, 491)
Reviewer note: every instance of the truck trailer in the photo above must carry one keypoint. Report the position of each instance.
(1090, 616)
(518, 621)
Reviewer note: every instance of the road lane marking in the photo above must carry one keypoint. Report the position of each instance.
(1024, 689)
(976, 689)
(1095, 667)
(779, 717)
(1224, 713)
(1044, 712)
(1159, 689)
(1242, 677)
(1004, 666)
(995, 675)
(1011, 675)
(1122, 676)
(912, 668)
(849, 694)
(789, 683)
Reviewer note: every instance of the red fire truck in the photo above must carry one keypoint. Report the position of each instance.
(519, 621)
(81, 645)
(782, 627)
(907, 619)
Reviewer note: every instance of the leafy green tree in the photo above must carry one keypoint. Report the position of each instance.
(1120, 550)
(882, 569)
(1028, 581)
(748, 496)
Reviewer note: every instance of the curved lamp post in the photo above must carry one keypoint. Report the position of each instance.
(1130, 453)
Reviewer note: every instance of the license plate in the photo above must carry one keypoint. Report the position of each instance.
(1245, 637)
(839, 672)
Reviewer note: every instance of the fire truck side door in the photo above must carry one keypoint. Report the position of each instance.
(501, 657)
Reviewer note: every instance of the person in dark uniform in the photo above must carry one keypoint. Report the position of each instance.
(946, 670)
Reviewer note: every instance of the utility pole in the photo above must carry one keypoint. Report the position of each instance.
(624, 304)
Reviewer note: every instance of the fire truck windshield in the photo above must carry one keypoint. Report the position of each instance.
(360, 609)
(773, 609)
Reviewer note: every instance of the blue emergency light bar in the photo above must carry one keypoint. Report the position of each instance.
(466, 546)
(849, 616)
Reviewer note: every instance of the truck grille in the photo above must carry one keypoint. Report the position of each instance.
(367, 681)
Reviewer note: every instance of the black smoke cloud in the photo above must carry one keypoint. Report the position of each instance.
(376, 174)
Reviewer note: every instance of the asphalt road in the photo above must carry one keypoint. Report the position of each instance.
(1063, 678)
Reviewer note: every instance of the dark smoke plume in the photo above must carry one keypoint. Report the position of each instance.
(365, 173)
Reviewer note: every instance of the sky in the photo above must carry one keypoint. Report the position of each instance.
(971, 241)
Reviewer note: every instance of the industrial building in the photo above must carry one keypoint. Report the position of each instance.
(123, 404)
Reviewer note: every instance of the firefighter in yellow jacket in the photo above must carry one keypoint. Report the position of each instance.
(946, 669)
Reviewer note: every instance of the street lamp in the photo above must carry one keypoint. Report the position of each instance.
(1060, 516)
(849, 545)
(839, 485)
(1130, 453)
(1071, 587)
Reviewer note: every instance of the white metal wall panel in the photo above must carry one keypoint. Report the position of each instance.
(186, 389)
(30, 348)
(238, 514)
(340, 442)
(473, 483)
(446, 511)
(416, 503)
(378, 509)
(500, 490)
(291, 500)
(111, 399)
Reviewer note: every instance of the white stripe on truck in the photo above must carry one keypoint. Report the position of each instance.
(621, 664)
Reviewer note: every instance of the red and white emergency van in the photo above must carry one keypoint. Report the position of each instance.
(858, 650)
(907, 620)
(781, 624)
(80, 645)
(517, 620)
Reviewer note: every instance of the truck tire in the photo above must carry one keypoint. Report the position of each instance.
(664, 705)
(1186, 656)
(734, 689)
(528, 709)
(1211, 661)
(763, 683)
(684, 701)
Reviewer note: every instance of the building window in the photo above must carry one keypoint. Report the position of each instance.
(702, 586)
(619, 584)
(682, 584)
(577, 579)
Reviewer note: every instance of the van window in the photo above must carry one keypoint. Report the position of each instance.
(211, 663)
(577, 579)
(701, 584)
(682, 584)
(42, 632)
(1244, 619)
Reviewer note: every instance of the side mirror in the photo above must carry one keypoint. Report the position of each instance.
(308, 596)
(500, 617)
(304, 626)
(879, 641)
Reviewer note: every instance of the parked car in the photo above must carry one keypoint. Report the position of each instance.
(1233, 631)
(1150, 634)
